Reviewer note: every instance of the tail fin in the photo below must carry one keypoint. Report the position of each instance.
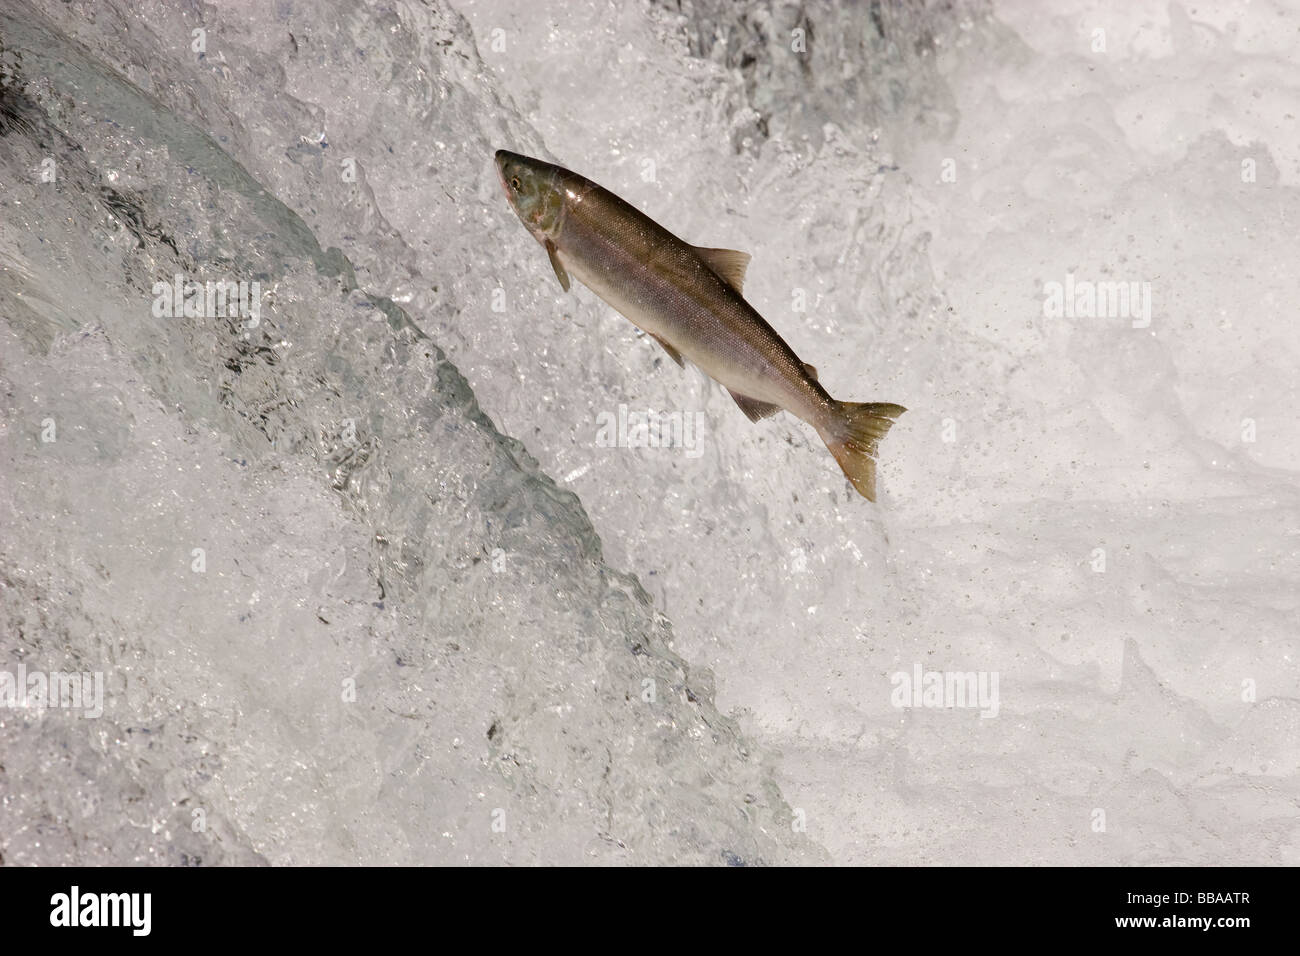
(853, 438)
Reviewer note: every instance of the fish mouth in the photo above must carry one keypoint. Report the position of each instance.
(502, 157)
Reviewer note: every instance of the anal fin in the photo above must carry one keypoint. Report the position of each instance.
(752, 407)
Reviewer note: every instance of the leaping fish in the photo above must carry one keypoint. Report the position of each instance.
(689, 299)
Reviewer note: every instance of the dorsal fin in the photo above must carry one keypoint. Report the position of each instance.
(729, 264)
(811, 370)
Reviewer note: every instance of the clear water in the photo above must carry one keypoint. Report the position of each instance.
(437, 618)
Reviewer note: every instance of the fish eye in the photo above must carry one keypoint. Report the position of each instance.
(514, 183)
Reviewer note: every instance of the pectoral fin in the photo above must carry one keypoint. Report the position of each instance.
(752, 407)
(555, 264)
(729, 264)
(673, 354)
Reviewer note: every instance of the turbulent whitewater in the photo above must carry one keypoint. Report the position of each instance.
(384, 568)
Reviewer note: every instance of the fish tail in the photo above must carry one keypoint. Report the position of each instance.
(855, 431)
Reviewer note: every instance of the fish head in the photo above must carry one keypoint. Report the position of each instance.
(535, 190)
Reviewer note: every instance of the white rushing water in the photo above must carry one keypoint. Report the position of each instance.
(369, 576)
